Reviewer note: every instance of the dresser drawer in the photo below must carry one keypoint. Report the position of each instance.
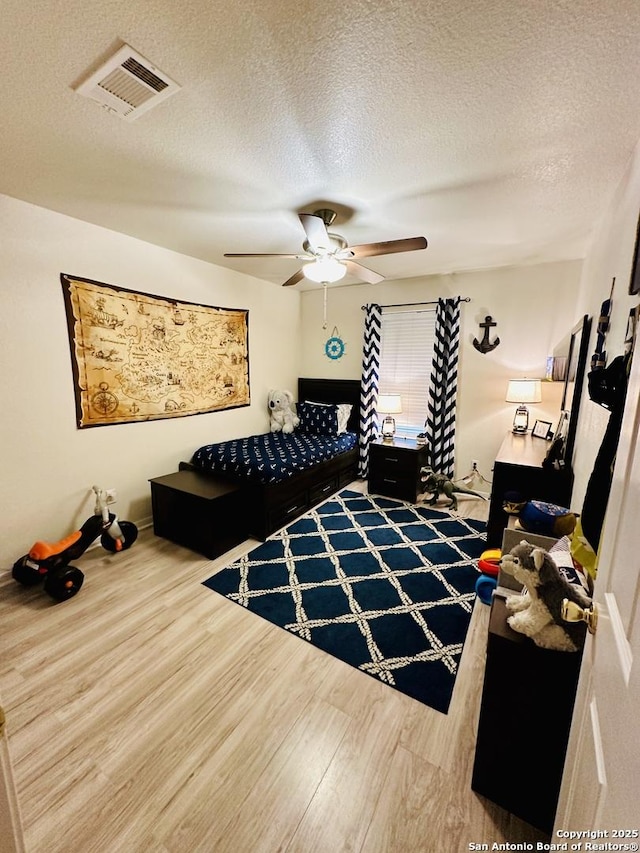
(322, 490)
(287, 511)
(347, 476)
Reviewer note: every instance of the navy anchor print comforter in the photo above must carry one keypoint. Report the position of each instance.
(272, 456)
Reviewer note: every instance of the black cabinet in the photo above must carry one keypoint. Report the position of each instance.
(518, 468)
(394, 468)
(199, 512)
(525, 716)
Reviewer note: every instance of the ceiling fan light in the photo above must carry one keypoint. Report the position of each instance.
(324, 269)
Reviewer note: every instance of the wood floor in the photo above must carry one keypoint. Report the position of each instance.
(150, 714)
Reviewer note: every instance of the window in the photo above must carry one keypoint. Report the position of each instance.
(406, 353)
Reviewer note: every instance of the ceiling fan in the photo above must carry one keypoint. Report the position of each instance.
(329, 257)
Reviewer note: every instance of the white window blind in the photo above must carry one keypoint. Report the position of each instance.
(406, 353)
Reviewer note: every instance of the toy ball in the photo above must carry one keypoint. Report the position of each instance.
(547, 519)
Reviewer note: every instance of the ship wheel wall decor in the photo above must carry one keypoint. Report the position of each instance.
(334, 347)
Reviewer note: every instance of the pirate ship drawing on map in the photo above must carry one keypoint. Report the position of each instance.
(98, 316)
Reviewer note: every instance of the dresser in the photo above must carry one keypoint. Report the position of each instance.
(523, 728)
(394, 468)
(518, 468)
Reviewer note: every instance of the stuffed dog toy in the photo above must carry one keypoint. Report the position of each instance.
(538, 612)
(281, 412)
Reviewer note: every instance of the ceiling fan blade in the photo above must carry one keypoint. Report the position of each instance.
(316, 231)
(363, 273)
(257, 255)
(295, 278)
(389, 247)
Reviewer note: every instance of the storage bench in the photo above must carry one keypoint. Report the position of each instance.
(198, 511)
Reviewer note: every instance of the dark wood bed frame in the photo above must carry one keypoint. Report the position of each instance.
(270, 506)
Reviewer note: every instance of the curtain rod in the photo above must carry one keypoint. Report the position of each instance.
(411, 304)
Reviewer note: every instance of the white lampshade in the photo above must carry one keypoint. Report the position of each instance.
(524, 391)
(389, 404)
(324, 269)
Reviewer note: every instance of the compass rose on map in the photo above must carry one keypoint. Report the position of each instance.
(104, 401)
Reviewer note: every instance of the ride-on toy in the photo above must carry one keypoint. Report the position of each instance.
(51, 561)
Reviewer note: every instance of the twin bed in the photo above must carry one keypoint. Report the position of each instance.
(283, 475)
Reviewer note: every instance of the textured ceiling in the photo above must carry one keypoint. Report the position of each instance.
(498, 129)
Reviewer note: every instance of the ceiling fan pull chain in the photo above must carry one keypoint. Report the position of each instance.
(324, 298)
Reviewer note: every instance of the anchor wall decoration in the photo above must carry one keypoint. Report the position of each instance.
(484, 345)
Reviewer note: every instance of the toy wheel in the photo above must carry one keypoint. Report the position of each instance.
(26, 572)
(488, 568)
(63, 583)
(484, 588)
(130, 533)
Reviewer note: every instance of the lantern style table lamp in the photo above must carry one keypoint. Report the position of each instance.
(388, 405)
(523, 391)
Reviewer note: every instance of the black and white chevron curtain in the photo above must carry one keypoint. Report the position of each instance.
(369, 386)
(440, 426)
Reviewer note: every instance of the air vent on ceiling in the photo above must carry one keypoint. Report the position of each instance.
(127, 84)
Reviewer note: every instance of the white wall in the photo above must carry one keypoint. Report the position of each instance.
(534, 307)
(47, 465)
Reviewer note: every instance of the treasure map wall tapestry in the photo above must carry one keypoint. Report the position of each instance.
(138, 357)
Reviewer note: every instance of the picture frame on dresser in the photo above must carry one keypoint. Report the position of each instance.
(541, 429)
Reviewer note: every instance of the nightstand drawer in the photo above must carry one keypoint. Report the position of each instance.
(394, 461)
(404, 488)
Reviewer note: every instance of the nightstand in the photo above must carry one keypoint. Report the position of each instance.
(394, 468)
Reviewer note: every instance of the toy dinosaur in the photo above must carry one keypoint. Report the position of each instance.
(437, 484)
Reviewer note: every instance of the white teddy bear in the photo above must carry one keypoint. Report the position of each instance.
(281, 412)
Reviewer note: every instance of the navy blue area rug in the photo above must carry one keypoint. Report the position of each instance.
(384, 585)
